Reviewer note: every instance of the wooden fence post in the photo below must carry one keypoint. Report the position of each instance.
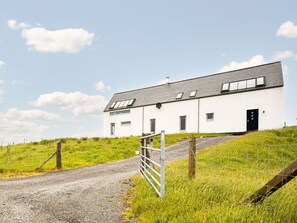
(275, 183)
(192, 156)
(59, 155)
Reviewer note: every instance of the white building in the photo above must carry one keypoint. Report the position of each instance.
(236, 101)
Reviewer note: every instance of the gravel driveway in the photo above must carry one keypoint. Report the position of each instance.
(90, 194)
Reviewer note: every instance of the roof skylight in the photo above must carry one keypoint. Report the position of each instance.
(233, 86)
(244, 84)
(225, 87)
(122, 104)
(241, 84)
(193, 93)
(131, 102)
(251, 83)
(112, 105)
(117, 104)
(179, 95)
(260, 81)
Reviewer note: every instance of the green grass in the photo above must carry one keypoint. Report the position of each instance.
(226, 175)
(23, 159)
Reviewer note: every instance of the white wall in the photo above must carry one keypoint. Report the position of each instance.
(229, 114)
(167, 117)
(230, 110)
(135, 116)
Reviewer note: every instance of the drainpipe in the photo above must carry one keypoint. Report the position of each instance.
(142, 119)
(198, 115)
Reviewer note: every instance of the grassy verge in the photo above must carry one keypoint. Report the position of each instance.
(226, 175)
(23, 159)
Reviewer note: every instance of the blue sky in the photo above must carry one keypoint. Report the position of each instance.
(61, 61)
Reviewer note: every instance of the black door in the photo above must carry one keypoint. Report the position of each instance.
(252, 120)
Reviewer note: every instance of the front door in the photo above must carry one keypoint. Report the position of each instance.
(252, 120)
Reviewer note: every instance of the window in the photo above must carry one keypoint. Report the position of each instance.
(117, 104)
(244, 84)
(225, 87)
(112, 105)
(193, 93)
(179, 95)
(126, 123)
(120, 112)
(126, 103)
(112, 129)
(153, 125)
(251, 83)
(131, 102)
(121, 104)
(233, 86)
(182, 121)
(209, 116)
(260, 81)
(241, 85)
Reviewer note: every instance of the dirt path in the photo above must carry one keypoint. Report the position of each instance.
(90, 194)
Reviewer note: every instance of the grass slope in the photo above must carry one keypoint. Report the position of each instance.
(226, 175)
(23, 159)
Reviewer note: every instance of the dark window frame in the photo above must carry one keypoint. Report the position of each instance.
(112, 129)
(210, 116)
(182, 123)
(153, 125)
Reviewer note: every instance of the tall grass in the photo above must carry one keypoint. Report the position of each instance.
(23, 159)
(226, 175)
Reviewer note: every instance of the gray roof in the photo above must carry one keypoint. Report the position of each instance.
(206, 86)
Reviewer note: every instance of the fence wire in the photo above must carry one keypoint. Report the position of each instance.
(247, 169)
(26, 157)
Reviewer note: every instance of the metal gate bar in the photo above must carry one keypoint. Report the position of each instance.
(148, 166)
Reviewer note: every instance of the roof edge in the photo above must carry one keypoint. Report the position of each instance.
(194, 78)
(196, 98)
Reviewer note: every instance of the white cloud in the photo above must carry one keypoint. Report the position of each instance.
(283, 55)
(100, 86)
(287, 29)
(255, 60)
(2, 64)
(33, 114)
(15, 131)
(77, 102)
(63, 40)
(70, 40)
(17, 125)
(13, 24)
(13, 126)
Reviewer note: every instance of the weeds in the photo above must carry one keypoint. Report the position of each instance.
(23, 159)
(226, 175)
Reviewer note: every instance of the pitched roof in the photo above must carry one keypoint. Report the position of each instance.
(206, 86)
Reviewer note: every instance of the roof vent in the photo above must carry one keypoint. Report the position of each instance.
(167, 82)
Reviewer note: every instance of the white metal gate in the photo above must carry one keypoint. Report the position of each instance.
(152, 161)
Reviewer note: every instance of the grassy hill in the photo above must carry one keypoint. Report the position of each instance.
(226, 175)
(23, 159)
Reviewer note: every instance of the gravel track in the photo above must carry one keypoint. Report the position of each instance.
(90, 194)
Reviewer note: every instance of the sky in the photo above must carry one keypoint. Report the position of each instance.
(61, 61)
